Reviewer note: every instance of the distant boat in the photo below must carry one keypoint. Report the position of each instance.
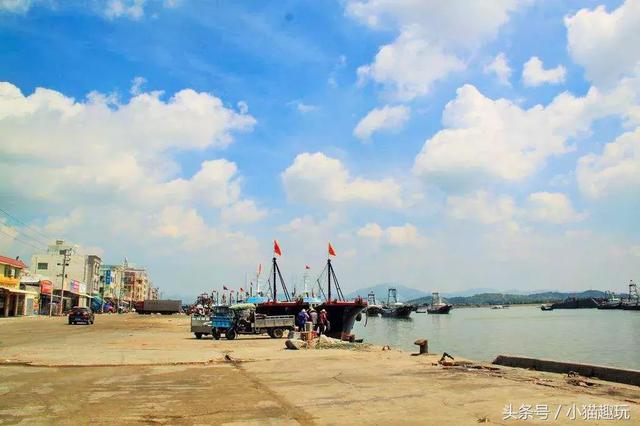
(633, 302)
(421, 309)
(546, 307)
(497, 307)
(575, 303)
(438, 306)
(611, 301)
(373, 308)
(395, 309)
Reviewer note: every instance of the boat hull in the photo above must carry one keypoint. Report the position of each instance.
(588, 303)
(342, 315)
(439, 310)
(374, 310)
(397, 311)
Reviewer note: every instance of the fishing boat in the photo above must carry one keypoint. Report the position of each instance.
(546, 307)
(395, 309)
(342, 313)
(438, 306)
(373, 308)
(611, 301)
(632, 303)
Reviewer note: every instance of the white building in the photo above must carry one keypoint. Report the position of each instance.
(82, 273)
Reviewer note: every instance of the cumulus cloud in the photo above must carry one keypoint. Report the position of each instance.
(552, 207)
(317, 179)
(409, 66)
(15, 6)
(113, 160)
(606, 44)
(458, 22)
(481, 207)
(615, 171)
(385, 118)
(498, 138)
(406, 235)
(303, 108)
(500, 67)
(132, 9)
(243, 211)
(434, 39)
(534, 73)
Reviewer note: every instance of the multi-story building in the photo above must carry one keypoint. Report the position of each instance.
(136, 284)
(153, 293)
(81, 277)
(112, 281)
(13, 300)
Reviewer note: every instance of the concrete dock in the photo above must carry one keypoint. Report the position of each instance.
(132, 369)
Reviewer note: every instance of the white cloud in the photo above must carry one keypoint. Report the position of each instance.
(112, 162)
(15, 6)
(500, 67)
(132, 9)
(385, 118)
(136, 85)
(186, 226)
(606, 44)
(316, 179)
(615, 171)
(534, 74)
(499, 139)
(244, 211)
(406, 235)
(481, 207)
(434, 39)
(303, 108)
(553, 207)
(457, 22)
(409, 66)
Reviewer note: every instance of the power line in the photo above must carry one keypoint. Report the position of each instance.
(21, 241)
(47, 239)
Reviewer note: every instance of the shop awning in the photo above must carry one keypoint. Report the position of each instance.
(18, 291)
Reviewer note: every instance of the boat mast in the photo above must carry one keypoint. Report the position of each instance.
(329, 269)
(331, 273)
(276, 275)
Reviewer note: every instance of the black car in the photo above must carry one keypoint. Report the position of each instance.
(78, 314)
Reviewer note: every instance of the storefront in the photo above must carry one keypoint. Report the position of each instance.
(15, 302)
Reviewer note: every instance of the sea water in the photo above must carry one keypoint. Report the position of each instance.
(604, 337)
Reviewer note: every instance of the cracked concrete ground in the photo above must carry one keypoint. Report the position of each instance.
(133, 369)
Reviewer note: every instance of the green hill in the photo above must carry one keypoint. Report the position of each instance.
(510, 299)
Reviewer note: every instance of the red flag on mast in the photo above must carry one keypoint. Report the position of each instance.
(276, 248)
(259, 269)
(307, 267)
(224, 287)
(332, 252)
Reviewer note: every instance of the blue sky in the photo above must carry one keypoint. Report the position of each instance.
(421, 137)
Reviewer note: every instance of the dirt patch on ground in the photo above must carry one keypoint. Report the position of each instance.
(134, 369)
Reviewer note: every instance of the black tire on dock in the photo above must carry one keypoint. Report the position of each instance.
(230, 334)
(216, 334)
(198, 335)
(277, 333)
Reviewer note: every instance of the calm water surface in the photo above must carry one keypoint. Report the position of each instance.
(581, 335)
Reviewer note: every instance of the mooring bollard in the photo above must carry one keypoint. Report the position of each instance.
(423, 344)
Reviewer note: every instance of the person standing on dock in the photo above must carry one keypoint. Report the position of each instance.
(323, 322)
(314, 319)
(302, 318)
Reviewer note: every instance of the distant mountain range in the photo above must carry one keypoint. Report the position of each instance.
(511, 299)
(404, 293)
(473, 296)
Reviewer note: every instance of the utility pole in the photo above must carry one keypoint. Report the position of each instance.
(65, 259)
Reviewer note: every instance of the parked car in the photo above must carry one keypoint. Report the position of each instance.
(79, 314)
